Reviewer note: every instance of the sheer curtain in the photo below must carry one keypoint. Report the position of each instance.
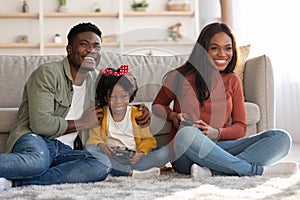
(272, 28)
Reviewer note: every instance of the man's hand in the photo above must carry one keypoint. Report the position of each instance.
(90, 119)
(144, 119)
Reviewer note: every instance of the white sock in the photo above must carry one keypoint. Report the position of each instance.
(281, 168)
(198, 172)
(152, 172)
(5, 184)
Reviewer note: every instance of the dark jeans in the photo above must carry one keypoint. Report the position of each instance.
(38, 160)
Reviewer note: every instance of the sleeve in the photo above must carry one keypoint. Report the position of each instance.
(164, 97)
(96, 136)
(145, 141)
(42, 90)
(238, 127)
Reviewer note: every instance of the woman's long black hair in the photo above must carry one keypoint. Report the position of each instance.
(200, 62)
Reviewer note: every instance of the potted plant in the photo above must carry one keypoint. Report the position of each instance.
(62, 2)
(62, 6)
(139, 6)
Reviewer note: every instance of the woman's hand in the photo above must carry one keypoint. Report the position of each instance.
(210, 132)
(138, 156)
(144, 119)
(106, 149)
(177, 117)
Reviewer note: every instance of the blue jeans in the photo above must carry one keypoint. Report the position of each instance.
(242, 157)
(38, 160)
(156, 158)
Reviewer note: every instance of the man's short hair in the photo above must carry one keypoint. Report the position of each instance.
(83, 27)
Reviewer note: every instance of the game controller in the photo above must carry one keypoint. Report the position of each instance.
(186, 122)
(123, 152)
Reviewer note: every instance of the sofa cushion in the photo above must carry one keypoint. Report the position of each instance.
(14, 72)
(3, 138)
(149, 70)
(8, 118)
(243, 55)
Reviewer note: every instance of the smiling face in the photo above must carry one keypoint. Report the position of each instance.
(118, 100)
(84, 51)
(220, 50)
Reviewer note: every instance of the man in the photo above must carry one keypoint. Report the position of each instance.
(58, 104)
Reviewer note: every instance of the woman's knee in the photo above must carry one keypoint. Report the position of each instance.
(281, 136)
(284, 137)
(185, 135)
(188, 136)
(281, 139)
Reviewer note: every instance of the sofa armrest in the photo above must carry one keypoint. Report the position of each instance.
(259, 89)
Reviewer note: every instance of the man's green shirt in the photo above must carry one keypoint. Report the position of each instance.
(46, 101)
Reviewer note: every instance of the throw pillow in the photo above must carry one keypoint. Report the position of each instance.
(243, 55)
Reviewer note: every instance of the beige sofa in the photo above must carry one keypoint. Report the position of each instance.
(258, 87)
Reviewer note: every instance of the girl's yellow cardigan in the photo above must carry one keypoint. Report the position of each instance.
(144, 139)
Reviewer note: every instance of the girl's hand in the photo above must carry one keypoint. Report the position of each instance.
(136, 158)
(210, 132)
(106, 149)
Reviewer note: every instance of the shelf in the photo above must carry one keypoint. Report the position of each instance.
(61, 45)
(159, 14)
(126, 14)
(49, 45)
(20, 45)
(117, 17)
(55, 45)
(19, 15)
(68, 15)
(158, 43)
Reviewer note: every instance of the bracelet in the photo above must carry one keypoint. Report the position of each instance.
(219, 134)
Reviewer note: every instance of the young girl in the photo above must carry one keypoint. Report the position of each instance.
(119, 130)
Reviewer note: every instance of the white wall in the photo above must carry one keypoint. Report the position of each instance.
(210, 11)
(271, 27)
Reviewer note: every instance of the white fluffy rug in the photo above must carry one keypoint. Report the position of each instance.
(169, 186)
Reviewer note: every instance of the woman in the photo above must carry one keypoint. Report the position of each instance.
(210, 95)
